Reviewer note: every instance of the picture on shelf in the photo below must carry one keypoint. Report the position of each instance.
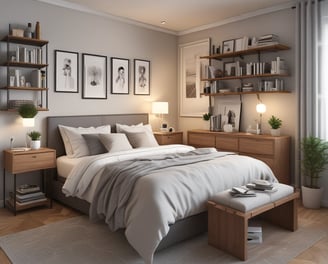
(228, 46)
(230, 114)
(229, 69)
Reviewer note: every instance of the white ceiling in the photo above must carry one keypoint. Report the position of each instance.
(181, 16)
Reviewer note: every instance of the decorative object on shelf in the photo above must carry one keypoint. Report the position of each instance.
(228, 46)
(37, 33)
(275, 124)
(230, 114)
(261, 109)
(35, 137)
(207, 116)
(27, 110)
(94, 76)
(229, 69)
(141, 77)
(192, 104)
(120, 76)
(314, 161)
(161, 108)
(28, 31)
(66, 71)
(207, 121)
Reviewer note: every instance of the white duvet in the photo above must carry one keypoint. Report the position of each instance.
(161, 198)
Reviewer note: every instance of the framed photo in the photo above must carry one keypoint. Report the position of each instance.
(120, 76)
(239, 44)
(228, 46)
(229, 68)
(141, 77)
(191, 103)
(230, 114)
(66, 71)
(94, 76)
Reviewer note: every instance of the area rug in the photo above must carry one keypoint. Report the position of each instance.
(78, 241)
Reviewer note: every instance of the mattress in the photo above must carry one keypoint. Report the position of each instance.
(66, 164)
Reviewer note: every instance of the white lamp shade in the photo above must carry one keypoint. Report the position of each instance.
(261, 108)
(28, 122)
(160, 107)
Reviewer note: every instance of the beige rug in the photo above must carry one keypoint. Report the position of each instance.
(76, 240)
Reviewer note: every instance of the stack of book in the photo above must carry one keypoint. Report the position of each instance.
(261, 185)
(29, 194)
(270, 39)
(242, 192)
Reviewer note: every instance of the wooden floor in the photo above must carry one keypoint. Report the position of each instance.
(33, 218)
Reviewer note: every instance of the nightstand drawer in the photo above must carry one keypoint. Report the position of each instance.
(226, 143)
(30, 161)
(168, 138)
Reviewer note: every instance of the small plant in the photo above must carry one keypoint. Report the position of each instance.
(27, 110)
(207, 116)
(34, 135)
(315, 158)
(275, 122)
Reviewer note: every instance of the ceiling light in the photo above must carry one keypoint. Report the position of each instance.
(163, 22)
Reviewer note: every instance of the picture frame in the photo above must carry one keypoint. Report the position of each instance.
(230, 114)
(229, 68)
(239, 44)
(141, 77)
(228, 46)
(120, 72)
(94, 76)
(66, 71)
(191, 66)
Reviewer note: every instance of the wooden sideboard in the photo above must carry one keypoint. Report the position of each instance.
(274, 151)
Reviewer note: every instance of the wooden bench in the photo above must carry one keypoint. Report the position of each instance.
(228, 216)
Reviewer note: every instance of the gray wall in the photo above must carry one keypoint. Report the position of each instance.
(86, 33)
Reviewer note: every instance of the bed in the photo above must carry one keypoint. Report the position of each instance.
(174, 201)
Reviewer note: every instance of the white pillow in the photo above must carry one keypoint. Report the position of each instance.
(75, 145)
(120, 127)
(141, 140)
(139, 129)
(115, 142)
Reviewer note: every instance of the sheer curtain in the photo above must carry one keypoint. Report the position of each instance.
(311, 82)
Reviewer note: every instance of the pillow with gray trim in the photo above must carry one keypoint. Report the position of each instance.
(115, 142)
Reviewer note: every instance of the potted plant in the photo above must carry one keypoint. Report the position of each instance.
(35, 137)
(314, 160)
(275, 124)
(206, 118)
(27, 110)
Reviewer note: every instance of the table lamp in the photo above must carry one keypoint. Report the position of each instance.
(161, 108)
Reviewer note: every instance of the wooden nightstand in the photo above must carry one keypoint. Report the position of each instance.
(16, 162)
(167, 138)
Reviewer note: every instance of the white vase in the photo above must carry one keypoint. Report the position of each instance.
(275, 132)
(311, 197)
(206, 124)
(35, 144)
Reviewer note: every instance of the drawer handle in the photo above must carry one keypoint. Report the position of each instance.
(34, 157)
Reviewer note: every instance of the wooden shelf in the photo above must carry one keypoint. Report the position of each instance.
(249, 51)
(245, 77)
(25, 41)
(15, 110)
(241, 93)
(20, 207)
(25, 64)
(23, 88)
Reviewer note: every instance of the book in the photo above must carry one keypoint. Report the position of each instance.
(27, 188)
(36, 78)
(30, 195)
(31, 202)
(242, 192)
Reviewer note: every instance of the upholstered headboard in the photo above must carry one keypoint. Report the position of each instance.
(55, 141)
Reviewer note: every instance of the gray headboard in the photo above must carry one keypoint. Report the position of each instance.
(54, 139)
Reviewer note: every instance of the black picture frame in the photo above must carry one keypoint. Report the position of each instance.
(66, 71)
(228, 46)
(120, 75)
(229, 68)
(141, 77)
(94, 76)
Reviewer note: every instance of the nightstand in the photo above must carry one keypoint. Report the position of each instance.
(16, 162)
(167, 138)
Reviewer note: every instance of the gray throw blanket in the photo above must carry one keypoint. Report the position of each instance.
(118, 179)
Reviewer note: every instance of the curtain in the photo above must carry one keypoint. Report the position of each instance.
(311, 72)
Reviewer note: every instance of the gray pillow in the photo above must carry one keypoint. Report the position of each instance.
(140, 140)
(115, 142)
(94, 144)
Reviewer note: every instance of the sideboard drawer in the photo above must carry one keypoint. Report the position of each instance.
(201, 140)
(226, 143)
(256, 146)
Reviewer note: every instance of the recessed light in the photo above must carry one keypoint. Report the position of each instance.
(163, 22)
